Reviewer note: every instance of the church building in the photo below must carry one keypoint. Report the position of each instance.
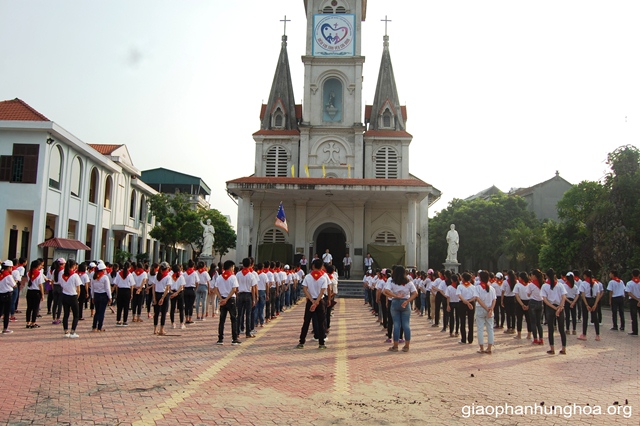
(340, 168)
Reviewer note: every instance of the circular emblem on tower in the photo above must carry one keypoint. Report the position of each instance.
(334, 35)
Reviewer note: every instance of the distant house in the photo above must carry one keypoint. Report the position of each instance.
(542, 199)
(485, 194)
(170, 182)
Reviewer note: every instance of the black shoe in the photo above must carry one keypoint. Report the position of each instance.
(614, 329)
(621, 328)
(235, 343)
(632, 334)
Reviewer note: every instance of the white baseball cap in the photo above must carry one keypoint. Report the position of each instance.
(7, 263)
(92, 265)
(62, 260)
(499, 275)
(101, 266)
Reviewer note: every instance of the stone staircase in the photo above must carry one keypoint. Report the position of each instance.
(351, 289)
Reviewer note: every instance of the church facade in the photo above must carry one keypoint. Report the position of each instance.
(339, 167)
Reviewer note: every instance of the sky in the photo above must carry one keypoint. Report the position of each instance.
(501, 93)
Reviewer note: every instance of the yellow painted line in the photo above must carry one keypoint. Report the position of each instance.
(341, 378)
(150, 416)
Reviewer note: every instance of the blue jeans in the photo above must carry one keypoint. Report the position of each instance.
(201, 299)
(423, 302)
(401, 318)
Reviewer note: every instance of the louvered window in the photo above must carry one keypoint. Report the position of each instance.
(386, 163)
(273, 236)
(341, 9)
(277, 162)
(327, 9)
(386, 237)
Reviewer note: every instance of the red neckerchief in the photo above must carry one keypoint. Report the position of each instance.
(81, 273)
(121, 274)
(190, 271)
(5, 274)
(138, 271)
(466, 283)
(109, 270)
(616, 279)
(570, 284)
(246, 271)
(131, 269)
(485, 286)
(590, 281)
(163, 274)
(33, 274)
(317, 274)
(99, 274)
(494, 280)
(175, 276)
(454, 285)
(535, 282)
(521, 282)
(66, 277)
(201, 270)
(227, 274)
(636, 280)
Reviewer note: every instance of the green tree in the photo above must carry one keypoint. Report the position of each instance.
(176, 220)
(522, 245)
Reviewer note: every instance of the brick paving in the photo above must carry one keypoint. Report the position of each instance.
(130, 376)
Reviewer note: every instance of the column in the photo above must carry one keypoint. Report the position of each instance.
(423, 260)
(411, 229)
(357, 263)
(244, 225)
(300, 239)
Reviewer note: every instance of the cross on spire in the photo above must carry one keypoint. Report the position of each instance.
(385, 20)
(285, 20)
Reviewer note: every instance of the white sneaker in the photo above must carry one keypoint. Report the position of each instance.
(73, 336)
(67, 335)
(7, 331)
(183, 327)
(173, 325)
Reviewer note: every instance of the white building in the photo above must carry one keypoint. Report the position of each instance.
(340, 168)
(53, 185)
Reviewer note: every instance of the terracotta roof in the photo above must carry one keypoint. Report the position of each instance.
(328, 181)
(368, 108)
(18, 110)
(388, 133)
(277, 132)
(104, 149)
(263, 110)
(64, 243)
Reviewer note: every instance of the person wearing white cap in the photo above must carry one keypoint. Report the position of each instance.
(100, 295)
(7, 284)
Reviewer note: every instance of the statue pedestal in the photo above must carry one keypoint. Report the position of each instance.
(208, 260)
(451, 266)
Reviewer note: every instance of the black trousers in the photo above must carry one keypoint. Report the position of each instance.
(57, 302)
(5, 308)
(428, 304)
(70, 304)
(535, 316)
(231, 309)
(498, 314)
(552, 320)
(319, 315)
(510, 311)
(33, 304)
(570, 314)
(347, 271)
(82, 299)
(594, 316)
(634, 310)
(454, 316)
(100, 301)
(466, 317)
(123, 300)
(189, 301)
(160, 311)
(617, 307)
(245, 305)
(149, 299)
(177, 302)
(271, 304)
(521, 313)
(385, 312)
(136, 302)
(439, 299)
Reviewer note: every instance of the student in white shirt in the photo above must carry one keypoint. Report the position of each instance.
(535, 305)
(467, 295)
(7, 284)
(125, 282)
(453, 305)
(35, 292)
(401, 291)
(616, 299)
(509, 305)
(162, 286)
(226, 289)
(346, 262)
(327, 258)
(522, 304)
(189, 294)
(633, 291)
(554, 296)
(486, 301)
(438, 287)
(245, 301)
(499, 315)
(84, 288)
(70, 282)
(202, 290)
(590, 293)
(314, 286)
(100, 295)
(573, 296)
(140, 278)
(176, 296)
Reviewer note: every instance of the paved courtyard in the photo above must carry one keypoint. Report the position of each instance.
(130, 376)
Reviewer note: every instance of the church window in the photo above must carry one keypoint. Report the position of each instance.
(327, 9)
(386, 163)
(334, 6)
(273, 236)
(278, 119)
(386, 237)
(332, 98)
(387, 119)
(276, 162)
(341, 9)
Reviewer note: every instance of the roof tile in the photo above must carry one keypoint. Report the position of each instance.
(19, 110)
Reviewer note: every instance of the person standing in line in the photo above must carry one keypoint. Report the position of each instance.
(314, 287)
(616, 299)
(84, 288)
(273, 292)
(522, 305)
(212, 300)
(346, 262)
(35, 292)
(71, 283)
(176, 296)
(100, 295)
(535, 305)
(498, 284)
(467, 294)
(486, 299)
(402, 292)
(18, 274)
(554, 295)
(590, 293)
(453, 305)
(633, 291)
(7, 284)
(161, 288)
(244, 300)
(150, 290)
(263, 286)
(572, 297)
(430, 299)
(226, 289)
(202, 290)
(140, 279)
(438, 287)
(509, 305)
(190, 282)
(124, 282)
(56, 310)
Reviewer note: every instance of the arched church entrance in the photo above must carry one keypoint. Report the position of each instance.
(331, 236)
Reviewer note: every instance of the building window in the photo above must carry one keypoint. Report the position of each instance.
(386, 163)
(386, 237)
(108, 188)
(274, 236)
(334, 6)
(332, 98)
(387, 119)
(143, 206)
(55, 168)
(76, 176)
(278, 119)
(22, 166)
(276, 162)
(132, 208)
(93, 186)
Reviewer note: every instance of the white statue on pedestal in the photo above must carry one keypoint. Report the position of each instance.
(207, 238)
(454, 244)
